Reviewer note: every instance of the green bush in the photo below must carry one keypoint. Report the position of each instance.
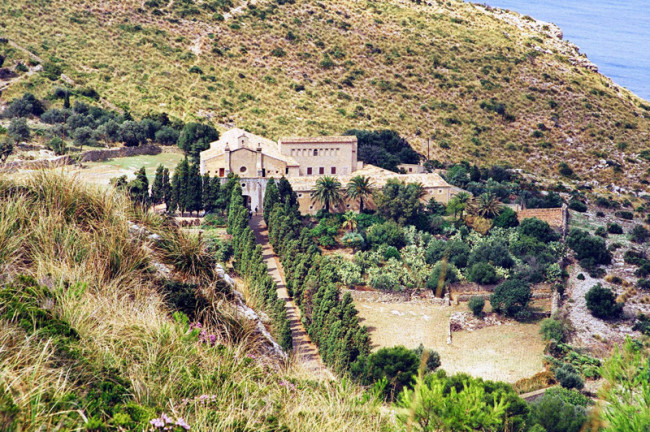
(552, 329)
(568, 377)
(397, 365)
(476, 305)
(624, 215)
(589, 247)
(482, 273)
(639, 234)
(552, 413)
(443, 273)
(614, 228)
(391, 252)
(507, 218)
(433, 358)
(578, 206)
(388, 233)
(601, 302)
(511, 297)
(538, 229)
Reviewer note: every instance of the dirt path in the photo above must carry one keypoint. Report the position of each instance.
(304, 350)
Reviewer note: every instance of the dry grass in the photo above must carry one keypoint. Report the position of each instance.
(75, 240)
(506, 353)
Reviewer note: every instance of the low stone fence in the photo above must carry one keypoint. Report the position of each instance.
(36, 164)
(102, 155)
(426, 296)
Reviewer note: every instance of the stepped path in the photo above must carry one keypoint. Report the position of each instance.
(304, 350)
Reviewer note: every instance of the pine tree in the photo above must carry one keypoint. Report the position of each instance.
(157, 188)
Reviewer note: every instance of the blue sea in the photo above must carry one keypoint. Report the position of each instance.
(615, 34)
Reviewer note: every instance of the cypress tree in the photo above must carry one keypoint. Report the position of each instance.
(271, 196)
(287, 195)
(206, 196)
(139, 188)
(166, 187)
(194, 189)
(179, 186)
(157, 188)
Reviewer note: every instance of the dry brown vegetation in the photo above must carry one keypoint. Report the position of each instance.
(482, 88)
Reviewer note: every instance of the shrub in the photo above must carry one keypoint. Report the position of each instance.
(578, 206)
(507, 218)
(25, 106)
(388, 233)
(476, 305)
(601, 232)
(643, 284)
(433, 358)
(398, 365)
(568, 377)
(57, 145)
(624, 215)
(354, 240)
(552, 329)
(443, 273)
(538, 229)
(588, 247)
(639, 234)
(601, 302)
(511, 297)
(581, 276)
(614, 228)
(482, 273)
(552, 413)
(18, 129)
(391, 252)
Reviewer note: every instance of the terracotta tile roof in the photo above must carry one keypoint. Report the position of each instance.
(230, 138)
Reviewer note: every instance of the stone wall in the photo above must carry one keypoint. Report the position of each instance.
(102, 155)
(426, 296)
(557, 218)
(36, 164)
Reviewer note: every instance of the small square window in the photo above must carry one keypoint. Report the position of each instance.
(333, 170)
(321, 170)
(308, 170)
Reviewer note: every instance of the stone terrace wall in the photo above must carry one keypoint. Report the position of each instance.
(556, 217)
(36, 164)
(102, 155)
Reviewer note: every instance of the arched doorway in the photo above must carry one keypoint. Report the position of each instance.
(247, 201)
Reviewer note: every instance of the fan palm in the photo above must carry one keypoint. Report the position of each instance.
(359, 188)
(350, 221)
(488, 205)
(327, 192)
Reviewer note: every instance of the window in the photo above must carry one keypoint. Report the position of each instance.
(308, 170)
(299, 195)
(321, 170)
(315, 152)
(439, 191)
(333, 170)
(242, 169)
(243, 185)
(286, 170)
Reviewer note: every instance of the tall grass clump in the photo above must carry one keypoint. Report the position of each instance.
(94, 336)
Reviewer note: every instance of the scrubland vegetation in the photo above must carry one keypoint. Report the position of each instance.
(447, 71)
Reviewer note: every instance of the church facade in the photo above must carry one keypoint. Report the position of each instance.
(302, 161)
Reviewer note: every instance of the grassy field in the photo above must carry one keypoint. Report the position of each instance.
(483, 89)
(103, 172)
(508, 352)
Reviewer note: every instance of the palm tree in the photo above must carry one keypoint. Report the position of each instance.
(458, 204)
(350, 221)
(359, 188)
(488, 205)
(327, 192)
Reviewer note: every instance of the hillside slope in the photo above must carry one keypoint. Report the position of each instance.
(91, 335)
(486, 85)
